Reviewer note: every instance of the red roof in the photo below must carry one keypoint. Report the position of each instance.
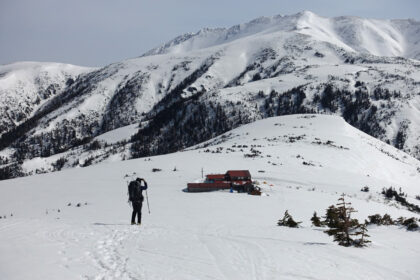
(215, 176)
(239, 173)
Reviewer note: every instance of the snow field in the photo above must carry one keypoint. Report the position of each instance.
(218, 235)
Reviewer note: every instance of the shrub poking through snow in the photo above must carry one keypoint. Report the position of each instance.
(316, 221)
(409, 223)
(59, 164)
(88, 161)
(386, 220)
(375, 219)
(365, 189)
(288, 221)
(379, 220)
(400, 197)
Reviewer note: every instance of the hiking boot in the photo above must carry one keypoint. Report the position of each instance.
(133, 223)
(139, 224)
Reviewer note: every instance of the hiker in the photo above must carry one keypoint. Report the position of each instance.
(135, 195)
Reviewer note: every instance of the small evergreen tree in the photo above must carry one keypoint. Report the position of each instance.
(316, 221)
(343, 225)
(288, 221)
(362, 232)
(331, 217)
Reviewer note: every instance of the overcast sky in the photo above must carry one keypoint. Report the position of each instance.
(98, 32)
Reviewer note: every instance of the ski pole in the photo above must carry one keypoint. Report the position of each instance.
(147, 200)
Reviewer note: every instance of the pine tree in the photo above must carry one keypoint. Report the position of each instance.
(331, 217)
(362, 232)
(316, 221)
(288, 221)
(341, 224)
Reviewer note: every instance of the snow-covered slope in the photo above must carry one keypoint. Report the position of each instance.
(371, 36)
(202, 85)
(217, 235)
(26, 86)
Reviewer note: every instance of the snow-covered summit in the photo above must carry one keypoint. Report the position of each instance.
(371, 36)
(25, 86)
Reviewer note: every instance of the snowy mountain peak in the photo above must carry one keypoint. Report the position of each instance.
(305, 13)
(371, 36)
(26, 86)
(205, 83)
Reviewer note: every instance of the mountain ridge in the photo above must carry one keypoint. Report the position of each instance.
(300, 21)
(181, 99)
(26, 86)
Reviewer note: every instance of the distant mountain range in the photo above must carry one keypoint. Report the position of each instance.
(202, 84)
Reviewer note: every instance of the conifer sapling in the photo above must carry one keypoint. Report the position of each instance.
(316, 221)
(288, 221)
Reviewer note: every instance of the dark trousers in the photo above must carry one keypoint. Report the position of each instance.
(136, 211)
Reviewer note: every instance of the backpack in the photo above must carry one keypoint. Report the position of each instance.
(134, 191)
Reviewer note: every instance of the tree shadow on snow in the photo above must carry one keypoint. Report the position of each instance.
(315, 243)
(103, 224)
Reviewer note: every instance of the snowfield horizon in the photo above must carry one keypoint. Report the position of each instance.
(75, 223)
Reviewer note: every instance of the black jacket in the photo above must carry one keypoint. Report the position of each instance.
(135, 190)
